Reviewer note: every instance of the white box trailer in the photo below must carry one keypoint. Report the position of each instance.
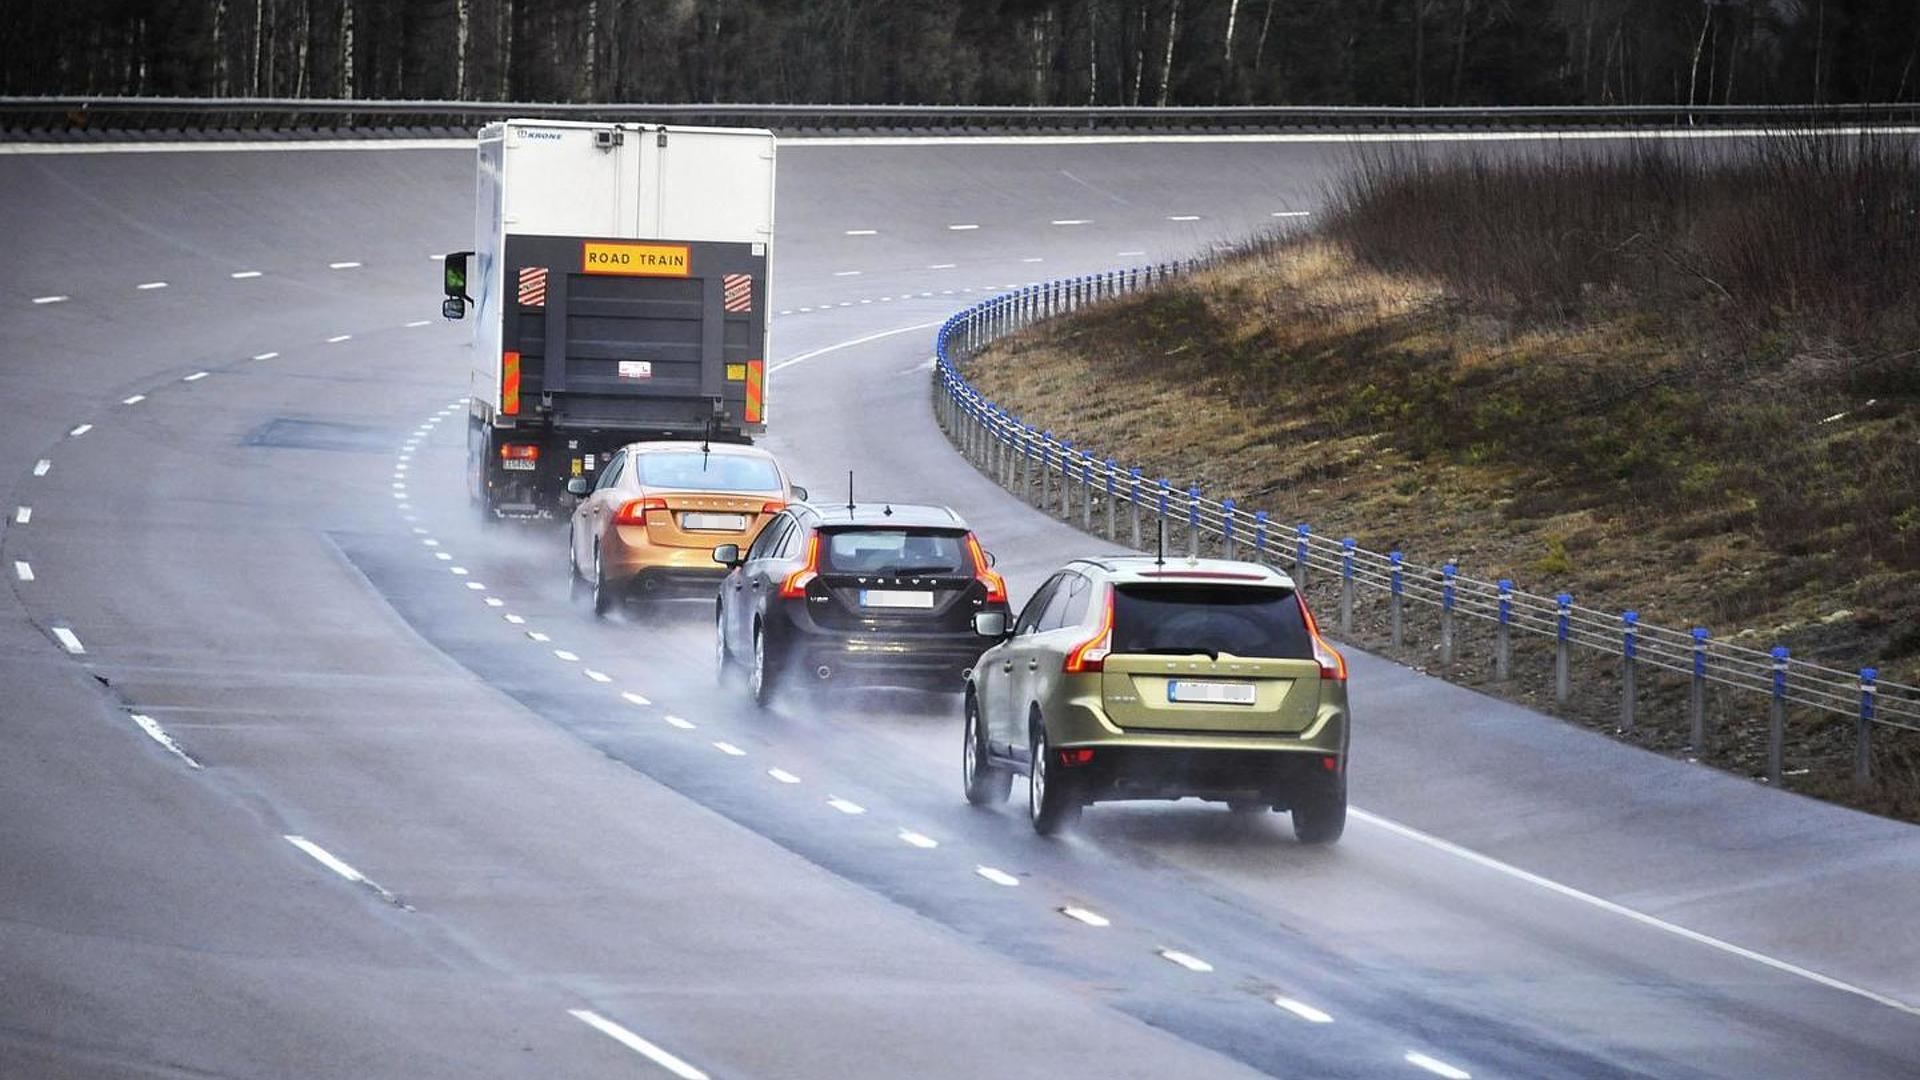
(619, 284)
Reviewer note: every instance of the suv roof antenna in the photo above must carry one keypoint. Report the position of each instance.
(1160, 553)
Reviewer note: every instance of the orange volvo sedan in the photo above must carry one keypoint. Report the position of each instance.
(648, 524)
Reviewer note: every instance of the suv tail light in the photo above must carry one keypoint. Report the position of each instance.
(634, 511)
(795, 587)
(1091, 654)
(996, 585)
(1332, 665)
(519, 452)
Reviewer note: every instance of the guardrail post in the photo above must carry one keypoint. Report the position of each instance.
(1046, 469)
(1112, 532)
(1133, 478)
(1394, 560)
(1260, 536)
(1777, 716)
(1086, 481)
(1193, 521)
(1346, 585)
(1227, 543)
(1863, 735)
(1629, 662)
(1026, 464)
(1301, 533)
(1066, 480)
(1447, 574)
(1503, 632)
(1562, 661)
(1697, 694)
(1166, 490)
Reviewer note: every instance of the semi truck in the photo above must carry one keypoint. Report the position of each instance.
(618, 286)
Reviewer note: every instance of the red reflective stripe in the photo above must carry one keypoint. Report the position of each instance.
(756, 382)
(510, 383)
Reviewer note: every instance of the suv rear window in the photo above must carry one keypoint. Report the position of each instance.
(894, 552)
(1210, 618)
(696, 471)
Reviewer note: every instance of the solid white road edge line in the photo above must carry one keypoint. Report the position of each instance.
(825, 349)
(637, 1044)
(326, 858)
(1622, 910)
(69, 640)
(1436, 1066)
(159, 734)
(1303, 1010)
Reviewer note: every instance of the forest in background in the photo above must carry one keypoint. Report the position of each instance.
(1012, 52)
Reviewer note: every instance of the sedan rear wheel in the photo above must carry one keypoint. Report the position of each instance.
(575, 586)
(602, 591)
(1052, 804)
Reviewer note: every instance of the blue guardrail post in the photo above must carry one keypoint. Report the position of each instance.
(1112, 534)
(1394, 559)
(1193, 521)
(1863, 735)
(1133, 477)
(1629, 659)
(1301, 533)
(1260, 536)
(1562, 660)
(1697, 694)
(1503, 632)
(1777, 717)
(1447, 574)
(1226, 526)
(1346, 585)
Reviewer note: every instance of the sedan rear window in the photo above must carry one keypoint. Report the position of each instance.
(1186, 619)
(895, 552)
(694, 470)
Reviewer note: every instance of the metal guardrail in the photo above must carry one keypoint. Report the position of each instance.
(95, 115)
(1102, 495)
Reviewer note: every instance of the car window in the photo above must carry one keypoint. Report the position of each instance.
(610, 475)
(1210, 618)
(696, 471)
(895, 551)
(1036, 606)
(1072, 589)
(769, 539)
(791, 540)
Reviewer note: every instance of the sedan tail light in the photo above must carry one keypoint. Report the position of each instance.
(772, 507)
(996, 585)
(1091, 654)
(634, 511)
(795, 587)
(1333, 666)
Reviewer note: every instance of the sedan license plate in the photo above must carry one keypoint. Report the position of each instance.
(896, 598)
(714, 522)
(1210, 693)
(517, 465)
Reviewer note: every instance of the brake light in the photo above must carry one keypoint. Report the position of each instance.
(634, 511)
(772, 507)
(795, 587)
(1081, 756)
(1332, 665)
(1091, 654)
(996, 585)
(520, 452)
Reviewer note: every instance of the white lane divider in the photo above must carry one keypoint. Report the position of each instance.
(538, 636)
(514, 619)
(1183, 217)
(430, 542)
(1290, 213)
(635, 699)
(571, 658)
(494, 601)
(846, 806)
(638, 1045)
(196, 376)
(1303, 1010)
(596, 676)
(846, 273)
(457, 571)
(998, 877)
(919, 840)
(942, 266)
(683, 725)
(265, 355)
(1071, 221)
(1437, 1067)
(1129, 254)
(863, 232)
(476, 586)
(41, 467)
(783, 776)
(51, 299)
(1091, 918)
(729, 749)
(22, 570)
(69, 640)
(330, 861)
(243, 275)
(134, 400)
(149, 286)
(159, 734)
(343, 266)
(443, 556)
(79, 430)
(1185, 960)
(962, 228)
(338, 338)
(22, 515)
(419, 322)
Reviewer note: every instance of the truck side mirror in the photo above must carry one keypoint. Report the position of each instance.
(453, 272)
(991, 624)
(453, 308)
(577, 487)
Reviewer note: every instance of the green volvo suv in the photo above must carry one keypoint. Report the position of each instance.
(1129, 678)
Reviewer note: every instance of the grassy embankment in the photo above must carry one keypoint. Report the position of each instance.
(1682, 380)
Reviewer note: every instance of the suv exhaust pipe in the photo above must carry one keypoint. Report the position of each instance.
(824, 672)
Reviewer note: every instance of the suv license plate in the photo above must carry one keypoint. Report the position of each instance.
(896, 598)
(1210, 693)
(714, 522)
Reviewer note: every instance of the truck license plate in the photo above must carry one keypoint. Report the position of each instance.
(714, 522)
(517, 465)
(636, 369)
(1210, 693)
(896, 598)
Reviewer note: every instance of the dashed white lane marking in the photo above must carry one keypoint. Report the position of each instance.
(338, 338)
(1437, 1067)
(41, 467)
(443, 556)
(569, 657)
(1290, 213)
(1071, 221)
(1183, 217)
(134, 400)
(1185, 960)
(919, 840)
(419, 322)
(863, 232)
(785, 311)
(1622, 910)
(538, 636)
(51, 299)
(729, 749)
(22, 570)
(327, 859)
(196, 376)
(846, 273)
(159, 734)
(783, 776)
(69, 640)
(343, 265)
(1129, 254)
(242, 275)
(596, 676)
(638, 1045)
(149, 286)
(998, 877)
(494, 601)
(430, 541)
(1080, 914)
(79, 431)
(962, 228)
(1303, 1010)
(458, 570)
(22, 515)
(512, 618)
(682, 724)
(476, 586)
(943, 266)
(1032, 260)
(845, 806)
(636, 699)
(265, 355)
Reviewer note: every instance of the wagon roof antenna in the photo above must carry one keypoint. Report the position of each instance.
(1160, 553)
(849, 492)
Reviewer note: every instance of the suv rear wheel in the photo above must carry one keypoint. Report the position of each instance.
(1052, 804)
(986, 782)
(1320, 814)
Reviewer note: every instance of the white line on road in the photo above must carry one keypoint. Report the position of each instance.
(1080, 914)
(1290, 213)
(943, 266)
(846, 273)
(242, 275)
(1183, 217)
(494, 601)
(41, 467)
(69, 640)
(1622, 910)
(149, 286)
(635, 699)
(729, 749)
(538, 636)
(846, 807)
(476, 586)
(783, 776)
(1071, 221)
(962, 228)
(79, 431)
(825, 349)
(327, 859)
(443, 556)
(338, 338)
(22, 570)
(159, 734)
(265, 355)
(134, 400)
(998, 877)
(571, 658)
(430, 541)
(512, 618)
(1129, 254)
(196, 376)
(51, 299)
(683, 725)
(419, 322)
(596, 676)
(343, 266)
(863, 232)
(1436, 1066)
(919, 840)
(1303, 1010)
(459, 571)
(1186, 960)
(22, 515)
(637, 1044)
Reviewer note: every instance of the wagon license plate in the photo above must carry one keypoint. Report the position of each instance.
(896, 598)
(1210, 693)
(714, 522)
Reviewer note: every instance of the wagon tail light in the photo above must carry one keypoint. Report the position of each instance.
(634, 511)
(1091, 654)
(1333, 666)
(795, 587)
(996, 585)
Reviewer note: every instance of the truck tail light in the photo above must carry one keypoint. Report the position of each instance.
(1333, 666)
(996, 585)
(634, 511)
(795, 587)
(519, 452)
(1091, 654)
(510, 382)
